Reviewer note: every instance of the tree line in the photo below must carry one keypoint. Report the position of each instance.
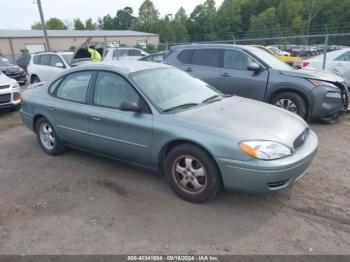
(232, 19)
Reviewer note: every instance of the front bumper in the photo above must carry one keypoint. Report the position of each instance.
(266, 176)
(329, 103)
(20, 77)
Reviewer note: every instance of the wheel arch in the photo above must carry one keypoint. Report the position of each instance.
(307, 100)
(36, 119)
(176, 142)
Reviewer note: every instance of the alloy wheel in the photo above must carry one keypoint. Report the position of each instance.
(287, 104)
(189, 174)
(47, 136)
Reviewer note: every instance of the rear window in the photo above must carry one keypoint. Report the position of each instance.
(206, 57)
(186, 56)
(36, 59)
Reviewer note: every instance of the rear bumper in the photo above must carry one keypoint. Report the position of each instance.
(268, 176)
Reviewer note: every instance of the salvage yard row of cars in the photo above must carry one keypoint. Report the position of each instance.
(194, 117)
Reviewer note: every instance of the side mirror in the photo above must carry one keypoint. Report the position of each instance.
(59, 65)
(130, 106)
(255, 67)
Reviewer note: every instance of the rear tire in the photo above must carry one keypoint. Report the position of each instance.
(47, 138)
(291, 102)
(192, 173)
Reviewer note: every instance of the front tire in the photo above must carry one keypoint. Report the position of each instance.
(292, 102)
(47, 138)
(192, 173)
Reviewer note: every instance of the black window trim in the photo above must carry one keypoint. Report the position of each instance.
(61, 79)
(147, 108)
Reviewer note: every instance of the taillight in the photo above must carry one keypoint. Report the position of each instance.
(305, 63)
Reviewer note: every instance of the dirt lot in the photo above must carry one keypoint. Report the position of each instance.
(78, 203)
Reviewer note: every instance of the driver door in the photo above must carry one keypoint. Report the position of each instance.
(122, 134)
(236, 79)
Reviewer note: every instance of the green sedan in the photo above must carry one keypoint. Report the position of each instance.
(158, 117)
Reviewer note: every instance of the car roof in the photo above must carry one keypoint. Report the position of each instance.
(125, 67)
(198, 46)
(51, 52)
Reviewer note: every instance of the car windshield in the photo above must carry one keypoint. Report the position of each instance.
(67, 57)
(4, 62)
(269, 59)
(169, 88)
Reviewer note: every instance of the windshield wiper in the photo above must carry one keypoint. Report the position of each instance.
(213, 98)
(187, 105)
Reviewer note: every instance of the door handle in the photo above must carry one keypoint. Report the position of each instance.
(225, 74)
(188, 69)
(96, 118)
(52, 108)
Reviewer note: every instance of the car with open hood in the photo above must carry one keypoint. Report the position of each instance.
(251, 72)
(13, 71)
(158, 117)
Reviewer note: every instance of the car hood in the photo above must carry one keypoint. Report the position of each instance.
(314, 74)
(10, 68)
(243, 119)
(4, 80)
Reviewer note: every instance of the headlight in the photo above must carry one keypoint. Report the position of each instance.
(15, 86)
(265, 150)
(319, 82)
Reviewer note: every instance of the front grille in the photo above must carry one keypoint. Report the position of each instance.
(4, 87)
(300, 140)
(277, 184)
(5, 98)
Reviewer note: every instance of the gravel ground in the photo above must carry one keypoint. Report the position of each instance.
(78, 203)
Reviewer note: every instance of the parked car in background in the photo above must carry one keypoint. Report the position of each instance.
(294, 61)
(251, 72)
(278, 51)
(44, 66)
(156, 57)
(13, 71)
(124, 53)
(10, 92)
(156, 116)
(337, 62)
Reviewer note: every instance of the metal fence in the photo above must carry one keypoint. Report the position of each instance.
(298, 45)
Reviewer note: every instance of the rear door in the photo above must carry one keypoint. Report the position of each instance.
(122, 134)
(43, 67)
(205, 65)
(236, 79)
(69, 110)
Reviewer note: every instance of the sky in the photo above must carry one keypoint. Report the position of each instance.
(21, 14)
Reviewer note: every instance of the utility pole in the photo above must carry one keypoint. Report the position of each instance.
(325, 49)
(43, 25)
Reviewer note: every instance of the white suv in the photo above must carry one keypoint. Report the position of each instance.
(46, 65)
(10, 92)
(124, 53)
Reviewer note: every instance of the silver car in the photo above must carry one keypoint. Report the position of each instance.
(158, 117)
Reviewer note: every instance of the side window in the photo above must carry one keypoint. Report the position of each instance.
(344, 57)
(111, 90)
(55, 59)
(186, 56)
(45, 59)
(235, 59)
(36, 59)
(206, 57)
(74, 86)
(53, 86)
(134, 52)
